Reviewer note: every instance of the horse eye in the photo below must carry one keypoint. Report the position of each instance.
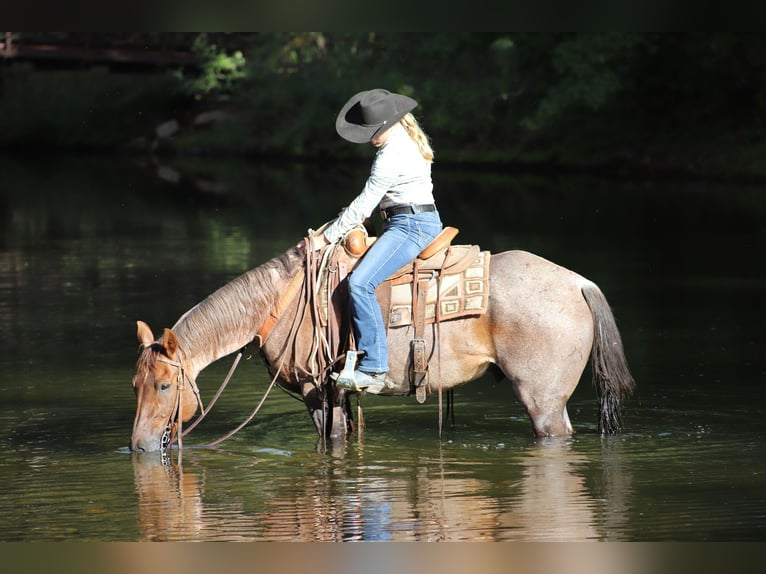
(164, 386)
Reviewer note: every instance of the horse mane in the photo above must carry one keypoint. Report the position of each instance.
(146, 357)
(230, 317)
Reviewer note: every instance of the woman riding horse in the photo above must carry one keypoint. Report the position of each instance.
(400, 187)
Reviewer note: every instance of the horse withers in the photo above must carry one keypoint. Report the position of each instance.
(541, 326)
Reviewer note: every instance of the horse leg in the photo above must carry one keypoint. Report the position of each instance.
(547, 411)
(556, 363)
(330, 410)
(544, 372)
(543, 367)
(341, 419)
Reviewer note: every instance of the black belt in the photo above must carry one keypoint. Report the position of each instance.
(409, 209)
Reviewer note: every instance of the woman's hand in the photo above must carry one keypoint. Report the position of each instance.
(314, 242)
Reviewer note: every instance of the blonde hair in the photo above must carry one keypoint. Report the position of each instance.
(418, 136)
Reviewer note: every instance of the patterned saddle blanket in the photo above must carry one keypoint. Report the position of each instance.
(455, 282)
(457, 286)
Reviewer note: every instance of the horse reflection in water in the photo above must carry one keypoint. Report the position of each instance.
(171, 507)
(546, 499)
(554, 503)
(169, 500)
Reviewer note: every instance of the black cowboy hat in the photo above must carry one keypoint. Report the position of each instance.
(370, 112)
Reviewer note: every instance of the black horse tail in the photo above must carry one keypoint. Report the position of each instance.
(611, 375)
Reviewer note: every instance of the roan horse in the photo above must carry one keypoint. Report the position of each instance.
(542, 324)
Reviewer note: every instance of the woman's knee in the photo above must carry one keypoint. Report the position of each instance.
(359, 284)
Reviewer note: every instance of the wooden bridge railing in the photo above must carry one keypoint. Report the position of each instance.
(73, 55)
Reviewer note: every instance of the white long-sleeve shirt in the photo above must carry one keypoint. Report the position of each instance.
(399, 175)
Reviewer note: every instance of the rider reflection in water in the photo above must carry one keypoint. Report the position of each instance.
(400, 187)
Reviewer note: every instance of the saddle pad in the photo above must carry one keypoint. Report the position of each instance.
(460, 294)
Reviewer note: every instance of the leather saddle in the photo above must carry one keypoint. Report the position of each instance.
(357, 243)
(439, 255)
(444, 282)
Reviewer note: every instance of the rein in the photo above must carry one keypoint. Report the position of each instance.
(177, 415)
(252, 414)
(271, 321)
(217, 394)
(290, 292)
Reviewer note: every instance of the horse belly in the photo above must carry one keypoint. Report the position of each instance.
(458, 351)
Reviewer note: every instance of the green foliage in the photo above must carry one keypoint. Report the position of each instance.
(298, 82)
(588, 70)
(220, 70)
(553, 97)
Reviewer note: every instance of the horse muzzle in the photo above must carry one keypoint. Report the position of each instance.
(153, 443)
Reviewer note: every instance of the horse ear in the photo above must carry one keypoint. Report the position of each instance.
(145, 336)
(170, 343)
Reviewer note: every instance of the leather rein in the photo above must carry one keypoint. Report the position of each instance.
(176, 417)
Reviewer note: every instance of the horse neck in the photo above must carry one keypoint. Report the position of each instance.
(199, 352)
(229, 319)
(293, 348)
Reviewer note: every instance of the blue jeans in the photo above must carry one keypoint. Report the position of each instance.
(403, 238)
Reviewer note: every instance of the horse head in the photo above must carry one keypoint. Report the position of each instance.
(162, 397)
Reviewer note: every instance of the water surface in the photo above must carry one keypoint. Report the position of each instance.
(88, 246)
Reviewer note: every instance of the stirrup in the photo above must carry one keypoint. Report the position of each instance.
(346, 376)
(346, 379)
(374, 388)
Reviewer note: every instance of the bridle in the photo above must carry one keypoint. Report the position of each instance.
(176, 417)
(177, 414)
